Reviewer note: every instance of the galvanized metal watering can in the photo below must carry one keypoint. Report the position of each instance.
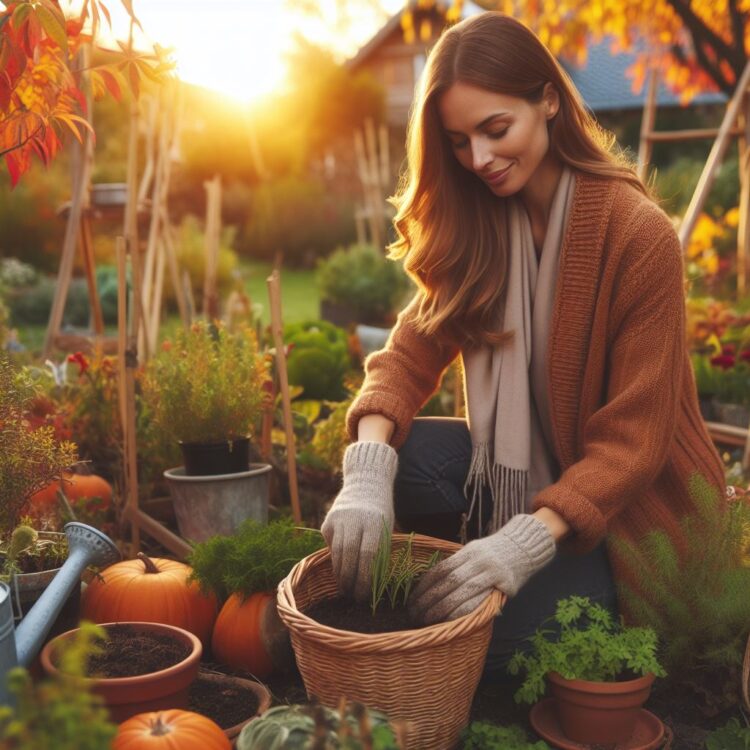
(86, 546)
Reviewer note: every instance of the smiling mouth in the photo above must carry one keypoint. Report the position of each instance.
(497, 177)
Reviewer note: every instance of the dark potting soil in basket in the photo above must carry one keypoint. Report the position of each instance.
(227, 705)
(344, 614)
(128, 652)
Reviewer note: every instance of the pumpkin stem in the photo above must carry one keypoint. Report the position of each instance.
(148, 563)
(158, 727)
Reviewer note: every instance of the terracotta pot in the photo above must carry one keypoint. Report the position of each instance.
(599, 712)
(261, 693)
(128, 696)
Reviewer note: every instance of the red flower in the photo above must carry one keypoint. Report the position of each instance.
(725, 361)
(745, 355)
(728, 349)
(79, 360)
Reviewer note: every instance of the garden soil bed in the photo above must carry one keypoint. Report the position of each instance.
(227, 705)
(128, 652)
(344, 614)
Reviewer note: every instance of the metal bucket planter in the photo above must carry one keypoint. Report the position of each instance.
(210, 505)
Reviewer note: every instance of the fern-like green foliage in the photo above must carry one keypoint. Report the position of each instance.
(697, 600)
(256, 558)
(393, 575)
(29, 458)
(59, 712)
(481, 735)
(590, 646)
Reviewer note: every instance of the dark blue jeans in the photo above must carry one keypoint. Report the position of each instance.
(429, 499)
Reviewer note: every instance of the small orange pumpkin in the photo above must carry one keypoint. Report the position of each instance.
(240, 638)
(170, 730)
(150, 590)
(77, 487)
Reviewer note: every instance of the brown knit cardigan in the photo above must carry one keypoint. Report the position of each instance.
(624, 408)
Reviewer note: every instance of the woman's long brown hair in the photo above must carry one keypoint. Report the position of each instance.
(450, 226)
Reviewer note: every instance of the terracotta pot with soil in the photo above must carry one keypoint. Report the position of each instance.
(231, 702)
(144, 666)
(423, 676)
(599, 712)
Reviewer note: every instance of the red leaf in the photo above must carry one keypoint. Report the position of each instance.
(111, 83)
(5, 91)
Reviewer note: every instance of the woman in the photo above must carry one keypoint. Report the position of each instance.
(541, 260)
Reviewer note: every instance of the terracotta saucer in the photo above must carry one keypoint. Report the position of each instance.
(648, 734)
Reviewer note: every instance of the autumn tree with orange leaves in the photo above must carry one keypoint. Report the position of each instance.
(694, 44)
(42, 94)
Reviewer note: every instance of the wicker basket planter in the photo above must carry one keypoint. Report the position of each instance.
(425, 678)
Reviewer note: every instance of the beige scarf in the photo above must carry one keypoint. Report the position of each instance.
(499, 381)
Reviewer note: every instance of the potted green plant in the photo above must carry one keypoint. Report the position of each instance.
(599, 673)
(359, 284)
(61, 711)
(207, 389)
(243, 570)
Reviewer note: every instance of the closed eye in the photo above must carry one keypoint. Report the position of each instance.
(496, 136)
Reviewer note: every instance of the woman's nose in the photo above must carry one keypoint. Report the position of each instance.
(481, 155)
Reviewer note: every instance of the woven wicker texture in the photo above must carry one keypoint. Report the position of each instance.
(425, 678)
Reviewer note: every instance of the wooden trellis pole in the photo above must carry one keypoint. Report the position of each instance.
(277, 328)
(213, 238)
(373, 168)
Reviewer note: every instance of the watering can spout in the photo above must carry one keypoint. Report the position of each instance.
(86, 546)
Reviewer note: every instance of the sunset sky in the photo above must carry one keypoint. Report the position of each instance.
(237, 46)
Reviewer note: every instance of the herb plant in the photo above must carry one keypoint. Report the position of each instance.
(394, 575)
(590, 646)
(30, 458)
(207, 385)
(59, 712)
(481, 735)
(697, 601)
(39, 553)
(256, 558)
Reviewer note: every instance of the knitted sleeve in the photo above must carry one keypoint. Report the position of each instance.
(626, 441)
(401, 377)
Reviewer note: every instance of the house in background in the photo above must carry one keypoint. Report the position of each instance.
(397, 64)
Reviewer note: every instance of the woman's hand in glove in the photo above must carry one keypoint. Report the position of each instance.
(354, 524)
(504, 560)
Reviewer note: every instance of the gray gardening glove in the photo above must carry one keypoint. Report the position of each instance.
(504, 560)
(353, 527)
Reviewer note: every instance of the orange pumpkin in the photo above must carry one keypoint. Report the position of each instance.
(77, 487)
(170, 730)
(240, 636)
(150, 590)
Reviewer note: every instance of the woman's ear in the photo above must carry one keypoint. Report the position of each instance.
(550, 100)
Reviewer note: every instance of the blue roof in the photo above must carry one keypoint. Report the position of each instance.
(605, 85)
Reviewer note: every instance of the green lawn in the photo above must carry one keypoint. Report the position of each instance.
(299, 293)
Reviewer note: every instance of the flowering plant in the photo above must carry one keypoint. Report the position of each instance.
(206, 385)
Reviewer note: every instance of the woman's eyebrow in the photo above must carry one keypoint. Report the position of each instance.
(484, 122)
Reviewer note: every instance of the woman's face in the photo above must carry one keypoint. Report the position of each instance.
(502, 139)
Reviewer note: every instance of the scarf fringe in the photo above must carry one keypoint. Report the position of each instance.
(507, 488)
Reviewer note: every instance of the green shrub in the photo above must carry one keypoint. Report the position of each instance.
(32, 305)
(732, 736)
(481, 735)
(590, 646)
(299, 218)
(318, 359)
(255, 558)
(698, 601)
(363, 279)
(190, 248)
